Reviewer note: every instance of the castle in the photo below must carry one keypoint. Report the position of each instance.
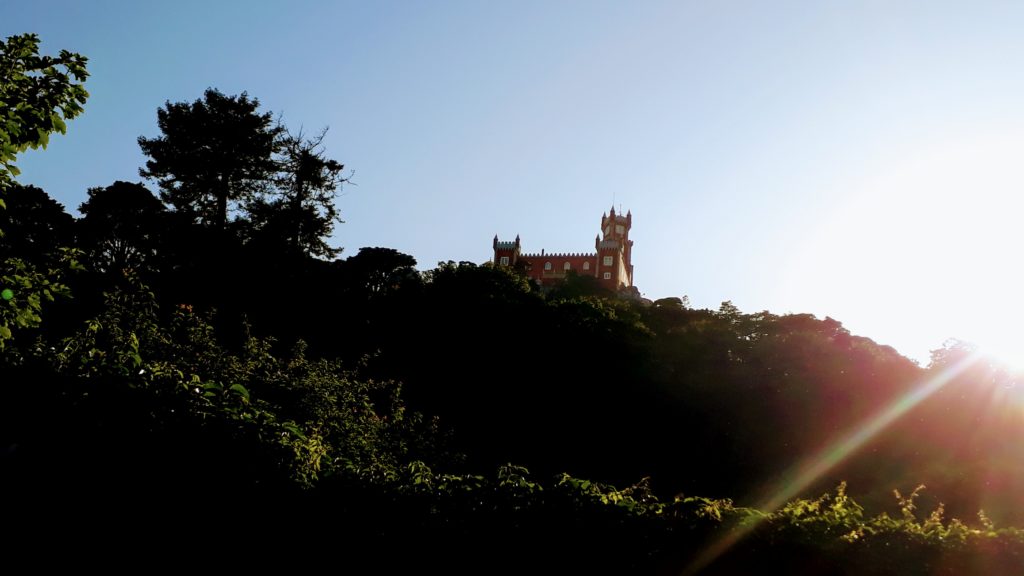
(611, 264)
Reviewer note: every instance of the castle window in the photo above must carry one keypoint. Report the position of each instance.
(567, 267)
(586, 265)
(504, 260)
(607, 260)
(607, 275)
(547, 265)
(620, 229)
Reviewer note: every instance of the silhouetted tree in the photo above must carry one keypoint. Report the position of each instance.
(673, 302)
(121, 227)
(302, 213)
(34, 226)
(216, 150)
(575, 286)
(374, 271)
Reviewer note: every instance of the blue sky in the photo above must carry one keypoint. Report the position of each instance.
(855, 159)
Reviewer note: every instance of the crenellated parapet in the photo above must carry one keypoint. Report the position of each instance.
(506, 245)
(561, 255)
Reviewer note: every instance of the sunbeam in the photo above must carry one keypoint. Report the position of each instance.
(810, 470)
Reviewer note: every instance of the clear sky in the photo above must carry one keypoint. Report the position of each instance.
(860, 160)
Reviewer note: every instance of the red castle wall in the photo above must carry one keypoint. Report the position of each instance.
(582, 264)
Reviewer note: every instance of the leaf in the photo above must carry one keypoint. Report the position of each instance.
(294, 429)
(240, 390)
(58, 124)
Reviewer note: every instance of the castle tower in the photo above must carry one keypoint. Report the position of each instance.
(506, 253)
(615, 251)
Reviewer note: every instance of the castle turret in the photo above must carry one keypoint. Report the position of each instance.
(614, 251)
(506, 253)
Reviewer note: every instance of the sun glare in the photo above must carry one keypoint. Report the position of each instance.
(1007, 355)
(807, 472)
(924, 247)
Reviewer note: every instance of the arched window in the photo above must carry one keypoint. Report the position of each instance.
(567, 267)
(547, 265)
(586, 265)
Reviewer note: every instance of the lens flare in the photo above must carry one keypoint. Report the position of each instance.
(806, 473)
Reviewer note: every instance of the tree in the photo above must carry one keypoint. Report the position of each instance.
(35, 226)
(577, 286)
(376, 271)
(38, 94)
(673, 303)
(303, 213)
(214, 151)
(121, 227)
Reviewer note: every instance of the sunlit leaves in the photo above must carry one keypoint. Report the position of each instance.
(26, 289)
(37, 95)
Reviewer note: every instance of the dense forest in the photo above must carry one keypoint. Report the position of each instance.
(190, 350)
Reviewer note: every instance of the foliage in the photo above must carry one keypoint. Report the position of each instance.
(589, 525)
(219, 157)
(579, 286)
(121, 228)
(26, 289)
(211, 152)
(673, 302)
(35, 226)
(374, 272)
(301, 213)
(248, 416)
(38, 95)
(836, 528)
(34, 258)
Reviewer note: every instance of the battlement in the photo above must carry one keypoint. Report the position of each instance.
(560, 255)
